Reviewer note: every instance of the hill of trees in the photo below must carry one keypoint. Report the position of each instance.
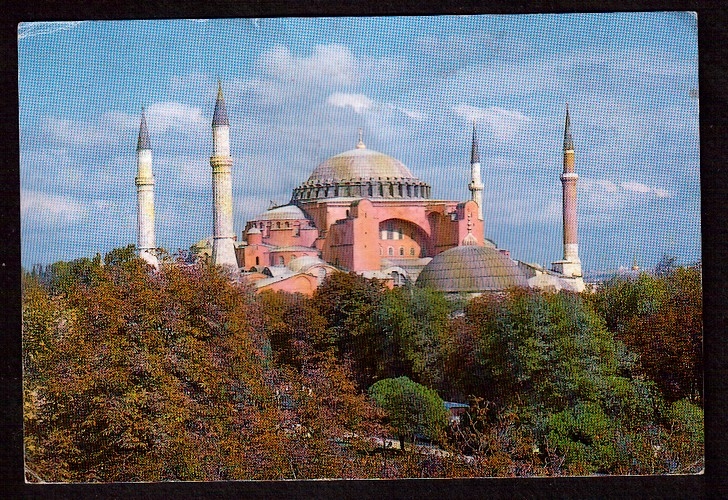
(132, 374)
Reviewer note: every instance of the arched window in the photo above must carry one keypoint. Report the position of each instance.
(390, 251)
(278, 225)
(281, 261)
(401, 251)
(288, 224)
(412, 251)
(257, 261)
(261, 225)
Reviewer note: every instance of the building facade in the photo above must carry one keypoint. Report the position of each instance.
(366, 212)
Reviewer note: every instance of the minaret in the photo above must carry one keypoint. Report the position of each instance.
(476, 185)
(145, 196)
(570, 266)
(223, 248)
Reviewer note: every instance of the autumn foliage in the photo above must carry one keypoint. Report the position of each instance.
(182, 373)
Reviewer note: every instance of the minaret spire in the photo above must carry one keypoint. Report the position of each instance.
(568, 140)
(223, 246)
(145, 195)
(143, 141)
(360, 144)
(220, 116)
(570, 266)
(474, 155)
(476, 185)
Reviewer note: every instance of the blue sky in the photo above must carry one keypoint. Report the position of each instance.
(299, 89)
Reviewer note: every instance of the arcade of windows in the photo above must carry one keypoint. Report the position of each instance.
(390, 251)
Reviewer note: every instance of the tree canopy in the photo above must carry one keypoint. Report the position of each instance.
(181, 373)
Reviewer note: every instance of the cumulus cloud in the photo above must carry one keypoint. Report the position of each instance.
(361, 103)
(602, 200)
(504, 124)
(358, 102)
(165, 116)
(50, 208)
(638, 187)
(27, 30)
(112, 126)
(74, 133)
(333, 64)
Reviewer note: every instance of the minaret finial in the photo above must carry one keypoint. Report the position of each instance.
(474, 153)
(143, 141)
(220, 116)
(360, 144)
(568, 140)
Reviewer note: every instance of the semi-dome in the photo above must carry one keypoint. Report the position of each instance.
(471, 269)
(285, 212)
(361, 173)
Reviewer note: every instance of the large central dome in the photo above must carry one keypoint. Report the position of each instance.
(364, 173)
(360, 163)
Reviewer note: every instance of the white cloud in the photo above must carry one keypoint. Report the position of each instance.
(27, 30)
(638, 187)
(332, 64)
(504, 124)
(74, 133)
(165, 116)
(50, 208)
(358, 102)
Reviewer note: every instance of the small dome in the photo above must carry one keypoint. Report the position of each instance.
(360, 163)
(303, 263)
(286, 212)
(471, 269)
(253, 230)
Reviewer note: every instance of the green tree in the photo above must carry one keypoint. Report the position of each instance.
(412, 408)
(414, 325)
(660, 319)
(347, 302)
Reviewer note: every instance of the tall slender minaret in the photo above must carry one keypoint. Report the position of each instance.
(476, 185)
(223, 248)
(571, 265)
(145, 196)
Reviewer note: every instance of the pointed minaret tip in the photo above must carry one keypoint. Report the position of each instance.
(568, 140)
(474, 153)
(143, 141)
(220, 116)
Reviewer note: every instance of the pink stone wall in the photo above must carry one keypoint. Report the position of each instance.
(301, 283)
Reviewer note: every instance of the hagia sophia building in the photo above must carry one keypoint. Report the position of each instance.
(366, 212)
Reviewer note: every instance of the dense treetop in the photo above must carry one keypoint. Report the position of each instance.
(184, 374)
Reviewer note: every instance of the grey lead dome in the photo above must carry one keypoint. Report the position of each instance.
(471, 269)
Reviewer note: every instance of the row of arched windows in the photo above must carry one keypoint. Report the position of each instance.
(390, 251)
(372, 189)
